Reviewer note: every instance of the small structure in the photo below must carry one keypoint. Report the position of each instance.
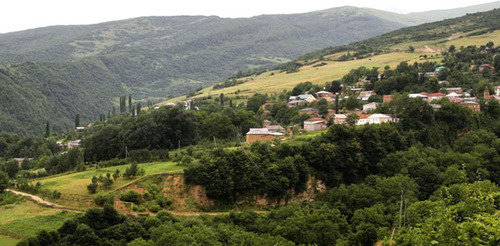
(296, 103)
(375, 119)
(275, 128)
(435, 96)
(262, 134)
(497, 90)
(430, 74)
(339, 119)
(307, 97)
(482, 67)
(314, 124)
(436, 107)
(438, 69)
(474, 106)
(75, 144)
(310, 111)
(370, 106)
(265, 105)
(453, 95)
(387, 98)
(324, 94)
(19, 161)
(364, 95)
(417, 95)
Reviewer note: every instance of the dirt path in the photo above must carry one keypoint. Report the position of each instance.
(40, 201)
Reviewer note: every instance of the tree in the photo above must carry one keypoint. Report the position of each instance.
(337, 103)
(138, 111)
(12, 167)
(221, 99)
(130, 106)
(352, 119)
(451, 49)
(352, 103)
(77, 120)
(411, 49)
(4, 181)
(47, 129)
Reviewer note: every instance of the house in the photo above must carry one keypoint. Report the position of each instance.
(262, 134)
(370, 106)
(307, 97)
(275, 128)
(438, 69)
(417, 95)
(457, 90)
(364, 95)
(497, 90)
(75, 144)
(444, 82)
(324, 94)
(356, 89)
(387, 98)
(310, 111)
(456, 99)
(339, 118)
(474, 106)
(430, 74)
(19, 161)
(362, 82)
(295, 103)
(375, 119)
(484, 66)
(314, 124)
(435, 96)
(453, 95)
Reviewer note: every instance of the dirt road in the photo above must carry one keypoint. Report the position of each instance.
(40, 201)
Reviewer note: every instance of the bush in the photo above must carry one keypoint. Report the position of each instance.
(101, 199)
(164, 202)
(154, 207)
(92, 188)
(131, 196)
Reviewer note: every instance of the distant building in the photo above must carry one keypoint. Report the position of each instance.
(296, 103)
(435, 96)
(418, 95)
(307, 97)
(262, 134)
(266, 123)
(324, 94)
(75, 144)
(375, 119)
(387, 98)
(310, 111)
(364, 95)
(474, 106)
(275, 128)
(314, 124)
(370, 106)
(339, 118)
(436, 107)
(457, 90)
(497, 90)
(453, 95)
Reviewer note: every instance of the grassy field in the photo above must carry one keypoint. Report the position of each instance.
(26, 219)
(275, 82)
(76, 183)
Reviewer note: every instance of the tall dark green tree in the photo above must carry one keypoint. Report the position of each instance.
(138, 111)
(123, 106)
(221, 98)
(337, 104)
(47, 129)
(77, 120)
(130, 106)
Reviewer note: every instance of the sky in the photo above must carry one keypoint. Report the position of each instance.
(26, 14)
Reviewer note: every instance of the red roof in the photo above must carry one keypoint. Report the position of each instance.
(457, 100)
(485, 65)
(438, 94)
(315, 119)
(364, 116)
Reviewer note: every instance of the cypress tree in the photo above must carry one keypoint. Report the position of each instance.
(123, 107)
(130, 106)
(221, 96)
(77, 120)
(337, 104)
(138, 108)
(47, 129)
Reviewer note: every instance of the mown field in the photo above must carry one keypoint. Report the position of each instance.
(76, 183)
(26, 219)
(275, 82)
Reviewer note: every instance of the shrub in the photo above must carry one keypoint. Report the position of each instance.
(154, 207)
(92, 188)
(101, 199)
(140, 156)
(131, 196)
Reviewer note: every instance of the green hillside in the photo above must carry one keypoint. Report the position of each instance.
(385, 50)
(54, 73)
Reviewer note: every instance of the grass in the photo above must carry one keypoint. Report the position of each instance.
(26, 219)
(275, 82)
(76, 183)
(8, 241)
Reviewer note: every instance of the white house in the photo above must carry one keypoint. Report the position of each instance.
(314, 124)
(375, 119)
(370, 106)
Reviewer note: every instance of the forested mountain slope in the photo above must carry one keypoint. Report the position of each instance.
(83, 68)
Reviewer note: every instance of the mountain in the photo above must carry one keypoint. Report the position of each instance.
(52, 73)
(436, 15)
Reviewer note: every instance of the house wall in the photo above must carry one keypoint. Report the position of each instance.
(257, 137)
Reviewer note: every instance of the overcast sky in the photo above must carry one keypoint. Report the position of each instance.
(25, 14)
